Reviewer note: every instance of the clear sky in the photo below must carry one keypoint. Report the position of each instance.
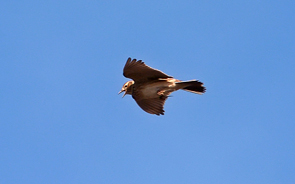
(61, 69)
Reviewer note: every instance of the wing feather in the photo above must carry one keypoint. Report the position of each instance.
(139, 71)
(152, 106)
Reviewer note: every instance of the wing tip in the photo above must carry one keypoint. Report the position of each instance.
(130, 60)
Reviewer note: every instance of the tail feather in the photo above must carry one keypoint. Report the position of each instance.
(193, 86)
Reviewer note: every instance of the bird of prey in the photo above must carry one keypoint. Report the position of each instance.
(151, 87)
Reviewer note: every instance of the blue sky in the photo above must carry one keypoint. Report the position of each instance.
(61, 70)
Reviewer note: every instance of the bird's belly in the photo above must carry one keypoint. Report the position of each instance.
(151, 90)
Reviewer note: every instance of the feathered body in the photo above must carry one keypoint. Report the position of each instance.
(150, 87)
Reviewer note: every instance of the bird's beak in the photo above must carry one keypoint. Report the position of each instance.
(123, 91)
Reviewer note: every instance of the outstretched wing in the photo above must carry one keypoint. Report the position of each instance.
(140, 72)
(153, 105)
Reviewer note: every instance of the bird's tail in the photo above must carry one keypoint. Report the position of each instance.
(193, 86)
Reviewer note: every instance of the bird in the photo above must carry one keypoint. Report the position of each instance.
(150, 87)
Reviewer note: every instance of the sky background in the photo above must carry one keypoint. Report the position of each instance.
(61, 69)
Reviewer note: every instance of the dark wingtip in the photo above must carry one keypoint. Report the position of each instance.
(160, 113)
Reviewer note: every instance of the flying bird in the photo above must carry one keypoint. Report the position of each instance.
(150, 87)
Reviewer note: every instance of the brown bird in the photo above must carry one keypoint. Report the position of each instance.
(150, 87)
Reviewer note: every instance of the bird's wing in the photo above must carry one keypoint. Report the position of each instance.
(152, 106)
(139, 72)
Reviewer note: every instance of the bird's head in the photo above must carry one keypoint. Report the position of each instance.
(127, 87)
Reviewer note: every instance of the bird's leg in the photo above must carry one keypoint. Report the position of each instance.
(161, 92)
